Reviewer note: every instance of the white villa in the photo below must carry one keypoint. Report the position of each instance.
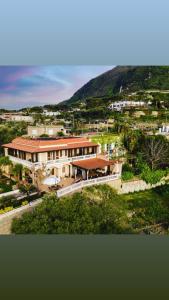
(119, 105)
(50, 113)
(72, 157)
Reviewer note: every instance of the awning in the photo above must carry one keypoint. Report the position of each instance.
(93, 163)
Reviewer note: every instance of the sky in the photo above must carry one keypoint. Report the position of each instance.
(26, 86)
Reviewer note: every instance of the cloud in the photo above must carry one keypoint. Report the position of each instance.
(22, 86)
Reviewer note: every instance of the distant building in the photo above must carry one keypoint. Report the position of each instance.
(51, 113)
(164, 129)
(50, 130)
(16, 117)
(119, 105)
(138, 113)
(154, 113)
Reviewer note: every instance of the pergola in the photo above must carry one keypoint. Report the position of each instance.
(93, 164)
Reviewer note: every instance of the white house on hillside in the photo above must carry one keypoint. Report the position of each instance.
(119, 105)
(51, 113)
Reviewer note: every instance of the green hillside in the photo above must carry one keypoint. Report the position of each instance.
(123, 80)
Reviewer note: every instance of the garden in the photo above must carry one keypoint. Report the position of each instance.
(27, 194)
(6, 184)
(99, 210)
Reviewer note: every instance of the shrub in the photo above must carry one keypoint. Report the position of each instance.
(27, 188)
(25, 202)
(9, 208)
(127, 175)
(6, 209)
(152, 177)
(127, 168)
(79, 214)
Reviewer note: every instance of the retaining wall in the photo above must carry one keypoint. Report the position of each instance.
(136, 186)
(6, 219)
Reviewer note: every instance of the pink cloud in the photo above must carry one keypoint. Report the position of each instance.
(21, 73)
(9, 88)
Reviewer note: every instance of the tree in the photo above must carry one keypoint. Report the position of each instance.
(155, 151)
(60, 133)
(10, 131)
(17, 171)
(131, 140)
(78, 214)
(27, 188)
(4, 161)
(152, 176)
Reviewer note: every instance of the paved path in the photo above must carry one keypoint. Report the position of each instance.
(6, 219)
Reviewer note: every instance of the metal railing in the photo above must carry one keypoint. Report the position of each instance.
(84, 183)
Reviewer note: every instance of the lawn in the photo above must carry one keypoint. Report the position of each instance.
(106, 138)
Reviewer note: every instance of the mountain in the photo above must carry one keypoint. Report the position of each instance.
(123, 79)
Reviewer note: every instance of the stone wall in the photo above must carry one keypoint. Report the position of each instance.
(6, 219)
(136, 186)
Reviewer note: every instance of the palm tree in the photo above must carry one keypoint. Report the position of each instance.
(26, 172)
(17, 171)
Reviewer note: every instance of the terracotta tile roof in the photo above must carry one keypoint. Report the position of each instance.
(33, 146)
(93, 163)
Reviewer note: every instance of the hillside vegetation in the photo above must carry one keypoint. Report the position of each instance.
(99, 210)
(124, 79)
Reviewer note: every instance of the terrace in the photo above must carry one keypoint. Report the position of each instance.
(49, 163)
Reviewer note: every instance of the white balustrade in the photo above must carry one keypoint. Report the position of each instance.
(50, 163)
(24, 162)
(81, 184)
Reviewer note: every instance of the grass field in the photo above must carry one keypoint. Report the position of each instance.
(106, 138)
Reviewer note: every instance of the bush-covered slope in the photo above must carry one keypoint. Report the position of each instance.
(124, 78)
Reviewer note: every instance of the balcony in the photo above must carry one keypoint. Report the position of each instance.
(57, 162)
(49, 163)
(25, 163)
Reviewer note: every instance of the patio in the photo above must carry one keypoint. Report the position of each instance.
(93, 168)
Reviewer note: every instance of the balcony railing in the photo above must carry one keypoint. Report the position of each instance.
(83, 183)
(24, 162)
(49, 163)
(68, 159)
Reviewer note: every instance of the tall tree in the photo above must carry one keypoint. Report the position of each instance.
(155, 151)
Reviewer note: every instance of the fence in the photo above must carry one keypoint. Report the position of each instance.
(84, 183)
